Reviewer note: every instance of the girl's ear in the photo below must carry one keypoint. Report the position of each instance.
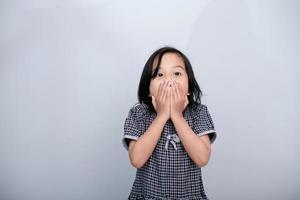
(188, 94)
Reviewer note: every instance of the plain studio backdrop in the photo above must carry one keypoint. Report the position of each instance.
(69, 72)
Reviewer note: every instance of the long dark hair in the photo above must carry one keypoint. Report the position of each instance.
(147, 76)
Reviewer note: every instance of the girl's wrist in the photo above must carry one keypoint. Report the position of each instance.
(176, 116)
(162, 118)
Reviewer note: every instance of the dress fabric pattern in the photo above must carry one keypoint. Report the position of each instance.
(169, 173)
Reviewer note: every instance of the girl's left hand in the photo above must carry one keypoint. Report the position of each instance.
(179, 100)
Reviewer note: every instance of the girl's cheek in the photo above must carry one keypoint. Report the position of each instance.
(154, 88)
(184, 86)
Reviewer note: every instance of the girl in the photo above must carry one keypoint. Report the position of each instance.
(168, 134)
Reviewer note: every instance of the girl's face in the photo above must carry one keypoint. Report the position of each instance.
(171, 67)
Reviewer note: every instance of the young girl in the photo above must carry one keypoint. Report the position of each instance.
(169, 133)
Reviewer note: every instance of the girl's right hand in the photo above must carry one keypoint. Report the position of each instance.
(161, 102)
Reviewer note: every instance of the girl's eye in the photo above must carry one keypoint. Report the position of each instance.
(177, 73)
(159, 74)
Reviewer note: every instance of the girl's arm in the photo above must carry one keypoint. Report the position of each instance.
(141, 149)
(198, 148)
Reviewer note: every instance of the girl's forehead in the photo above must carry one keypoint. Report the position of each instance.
(169, 61)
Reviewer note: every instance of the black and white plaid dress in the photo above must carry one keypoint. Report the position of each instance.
(169, 173)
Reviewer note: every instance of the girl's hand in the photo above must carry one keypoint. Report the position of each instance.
(179, 100)
(161, 102)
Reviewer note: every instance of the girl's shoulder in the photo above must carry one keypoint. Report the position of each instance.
(197, 110)
(140, 110)
(197, 107)
(140, 106)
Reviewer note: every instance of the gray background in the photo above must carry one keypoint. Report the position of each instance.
(69, 72)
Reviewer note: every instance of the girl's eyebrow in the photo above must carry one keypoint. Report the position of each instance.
(176, 66)
(179, 67)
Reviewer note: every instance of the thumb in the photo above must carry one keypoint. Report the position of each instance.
(153, 102)
(186, 101)
(153, 98)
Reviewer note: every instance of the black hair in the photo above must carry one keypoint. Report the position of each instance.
(147, 76)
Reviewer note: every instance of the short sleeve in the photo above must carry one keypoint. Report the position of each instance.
(132, 126)
(203, 123)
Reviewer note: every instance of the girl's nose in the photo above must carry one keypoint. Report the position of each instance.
(170, 81)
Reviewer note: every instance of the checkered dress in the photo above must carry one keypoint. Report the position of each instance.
(169, 173)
